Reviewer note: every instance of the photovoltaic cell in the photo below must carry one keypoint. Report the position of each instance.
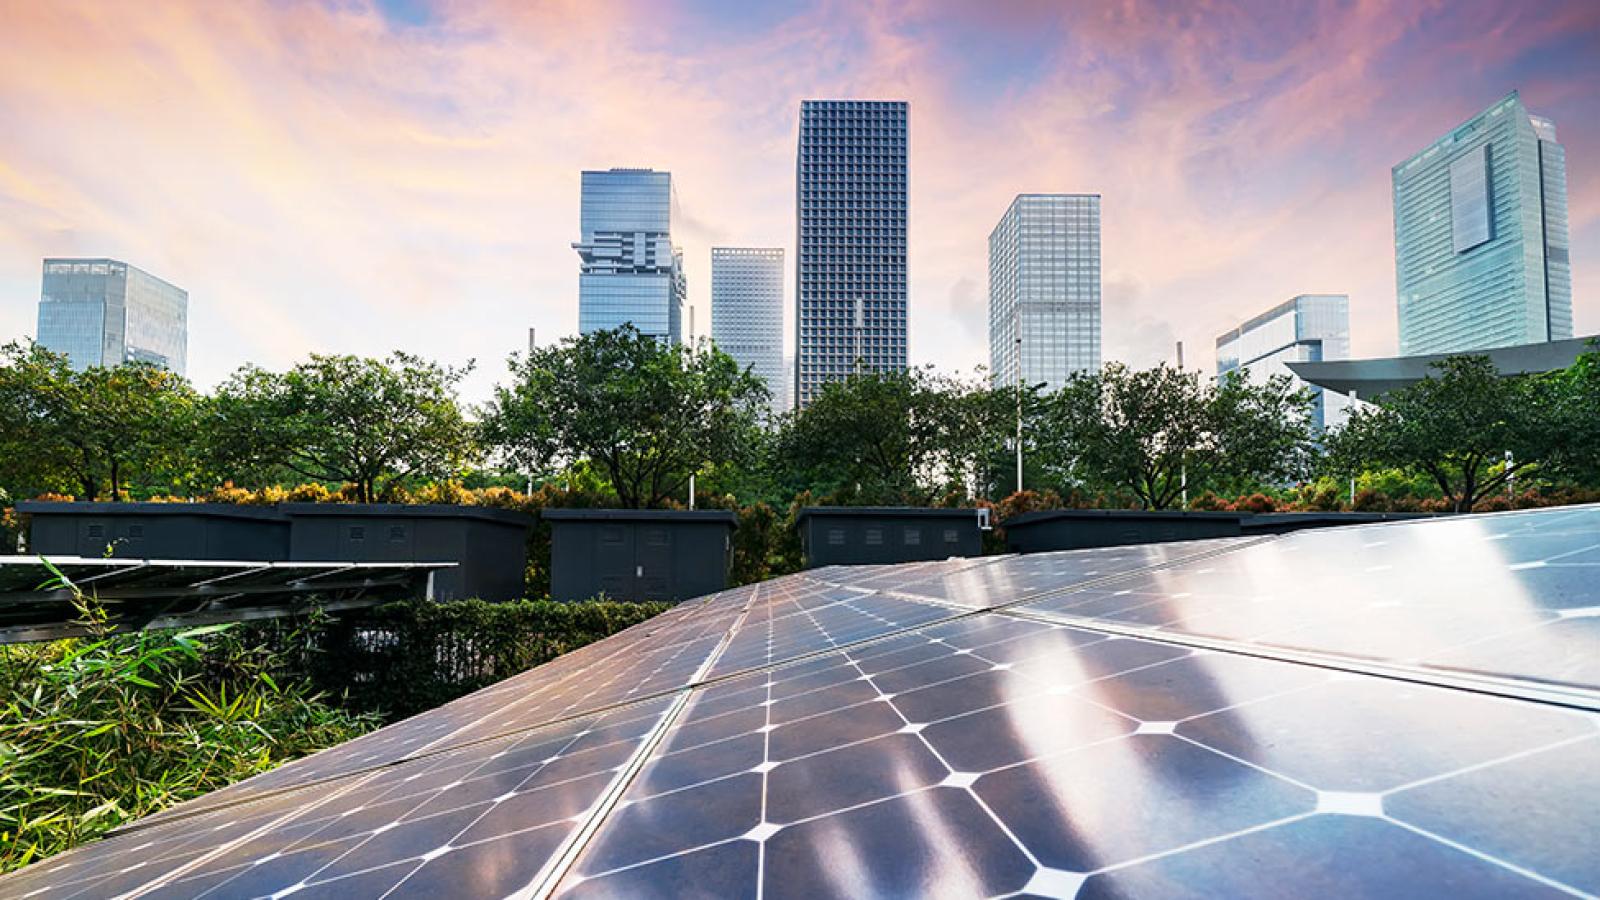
(1509, 596)
(1277, 717)
(977, 758)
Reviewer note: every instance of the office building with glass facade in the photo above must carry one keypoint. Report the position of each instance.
(850, 277)
(1044, 289)
(747, 312)
(1307, 328)
(1480, 236)
(104, 312)
(630, 271)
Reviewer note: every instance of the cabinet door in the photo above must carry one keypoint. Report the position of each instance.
(655, 563)
(614, 563)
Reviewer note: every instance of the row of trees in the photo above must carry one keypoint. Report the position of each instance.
(619, 413)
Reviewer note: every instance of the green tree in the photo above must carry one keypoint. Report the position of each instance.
(1578, 414)
(645, 413)
(342, 419)
(875, 436)
(1146, 433)
(89, 432)
(1456, 427)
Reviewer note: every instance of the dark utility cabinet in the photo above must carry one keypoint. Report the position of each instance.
(639, 554)
(220, 531)
(489, 546)
(853, 535)
(1076, 529)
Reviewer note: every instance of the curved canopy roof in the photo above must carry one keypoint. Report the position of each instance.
(1366, 379)
(1402, 709)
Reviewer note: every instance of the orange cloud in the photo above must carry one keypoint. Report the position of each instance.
(321, 178)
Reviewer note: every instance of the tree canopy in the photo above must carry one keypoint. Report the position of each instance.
(1457, 425)
(341, 419)
(89, 433)
(1150, 433)
(645, 413)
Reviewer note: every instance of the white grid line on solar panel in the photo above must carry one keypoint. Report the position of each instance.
(787, 637)
(1521, 605)
(501, 802)
(557, 867)
(1141, 699)
(1010, 578)
(562, 688)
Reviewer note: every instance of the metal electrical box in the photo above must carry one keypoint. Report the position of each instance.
(639, 554)
(855, 535)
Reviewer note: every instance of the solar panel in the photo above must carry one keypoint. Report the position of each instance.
(1066, 724)
(975, 758)
(145, 593)
(1509, 597)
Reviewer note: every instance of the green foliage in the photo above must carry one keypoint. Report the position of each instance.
(1578, 457)
(645, 413)
(92, 433)
(899, 437)
(1142, 432)
(98, 731)
(403, 658)
(374, 424)
(1455, 427)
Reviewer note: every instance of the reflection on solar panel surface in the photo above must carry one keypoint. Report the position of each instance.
(1356, 712)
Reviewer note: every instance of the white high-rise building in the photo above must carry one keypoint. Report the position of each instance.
(1307, 328)
(631, 273)
(102, 312)
(1044, 289)
(747, 313)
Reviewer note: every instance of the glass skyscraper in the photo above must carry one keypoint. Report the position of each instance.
(1480, 236)
(1307, 328)
(630, 270)
(850, 196)
(103, 312)
(1044, 288)
(747, 312)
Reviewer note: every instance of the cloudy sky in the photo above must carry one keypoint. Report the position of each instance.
(365, 175)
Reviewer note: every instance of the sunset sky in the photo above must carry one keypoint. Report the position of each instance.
(354, 176)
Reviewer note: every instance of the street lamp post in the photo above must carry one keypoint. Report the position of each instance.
(1016, 322)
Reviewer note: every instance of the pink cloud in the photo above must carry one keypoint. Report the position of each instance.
(320, 179)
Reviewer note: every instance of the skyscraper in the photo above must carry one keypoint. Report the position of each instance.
(1480, 236)
(747, 312)
(1307, 328)
(102, 312)
(630, 272)
(850, 195)
(1044, 288)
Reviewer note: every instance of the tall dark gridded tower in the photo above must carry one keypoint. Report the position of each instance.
(850, 200)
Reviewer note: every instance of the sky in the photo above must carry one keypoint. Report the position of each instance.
(361, 176)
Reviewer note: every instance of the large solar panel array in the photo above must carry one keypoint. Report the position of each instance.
(1407, 709)
(153, 593)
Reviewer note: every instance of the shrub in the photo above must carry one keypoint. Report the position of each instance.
(1369, 500)
(1209, 502)
(97, 731)
(1256, 503)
